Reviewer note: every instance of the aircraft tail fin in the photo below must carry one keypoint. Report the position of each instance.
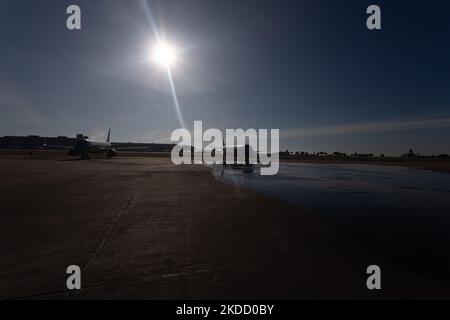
(109, 135)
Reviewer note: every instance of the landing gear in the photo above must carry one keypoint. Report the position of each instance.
(110, 154)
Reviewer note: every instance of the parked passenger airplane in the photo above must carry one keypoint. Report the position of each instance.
(86, 147)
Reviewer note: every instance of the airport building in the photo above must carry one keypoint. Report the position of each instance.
(37, 142)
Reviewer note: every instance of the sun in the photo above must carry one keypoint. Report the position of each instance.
(164, 55)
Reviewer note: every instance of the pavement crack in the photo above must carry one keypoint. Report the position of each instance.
(110, 232)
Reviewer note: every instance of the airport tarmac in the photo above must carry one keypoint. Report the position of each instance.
(142, 228)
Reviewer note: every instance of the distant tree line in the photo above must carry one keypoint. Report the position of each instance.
(343, 155)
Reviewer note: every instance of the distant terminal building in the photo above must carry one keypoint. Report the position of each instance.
(146, 147)
(37, 142)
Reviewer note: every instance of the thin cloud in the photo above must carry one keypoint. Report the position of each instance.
(369, 127)
(16, 107)
(158, 136)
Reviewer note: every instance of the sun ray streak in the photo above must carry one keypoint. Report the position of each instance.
(151, 20)
(175, 98)
(160, 41)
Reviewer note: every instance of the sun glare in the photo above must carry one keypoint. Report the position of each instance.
(164, 55)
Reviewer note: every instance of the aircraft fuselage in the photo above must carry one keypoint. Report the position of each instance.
(86, 147)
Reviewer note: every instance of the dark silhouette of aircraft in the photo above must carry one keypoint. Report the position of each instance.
(86, 147)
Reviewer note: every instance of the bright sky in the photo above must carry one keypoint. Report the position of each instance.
(307, 67)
